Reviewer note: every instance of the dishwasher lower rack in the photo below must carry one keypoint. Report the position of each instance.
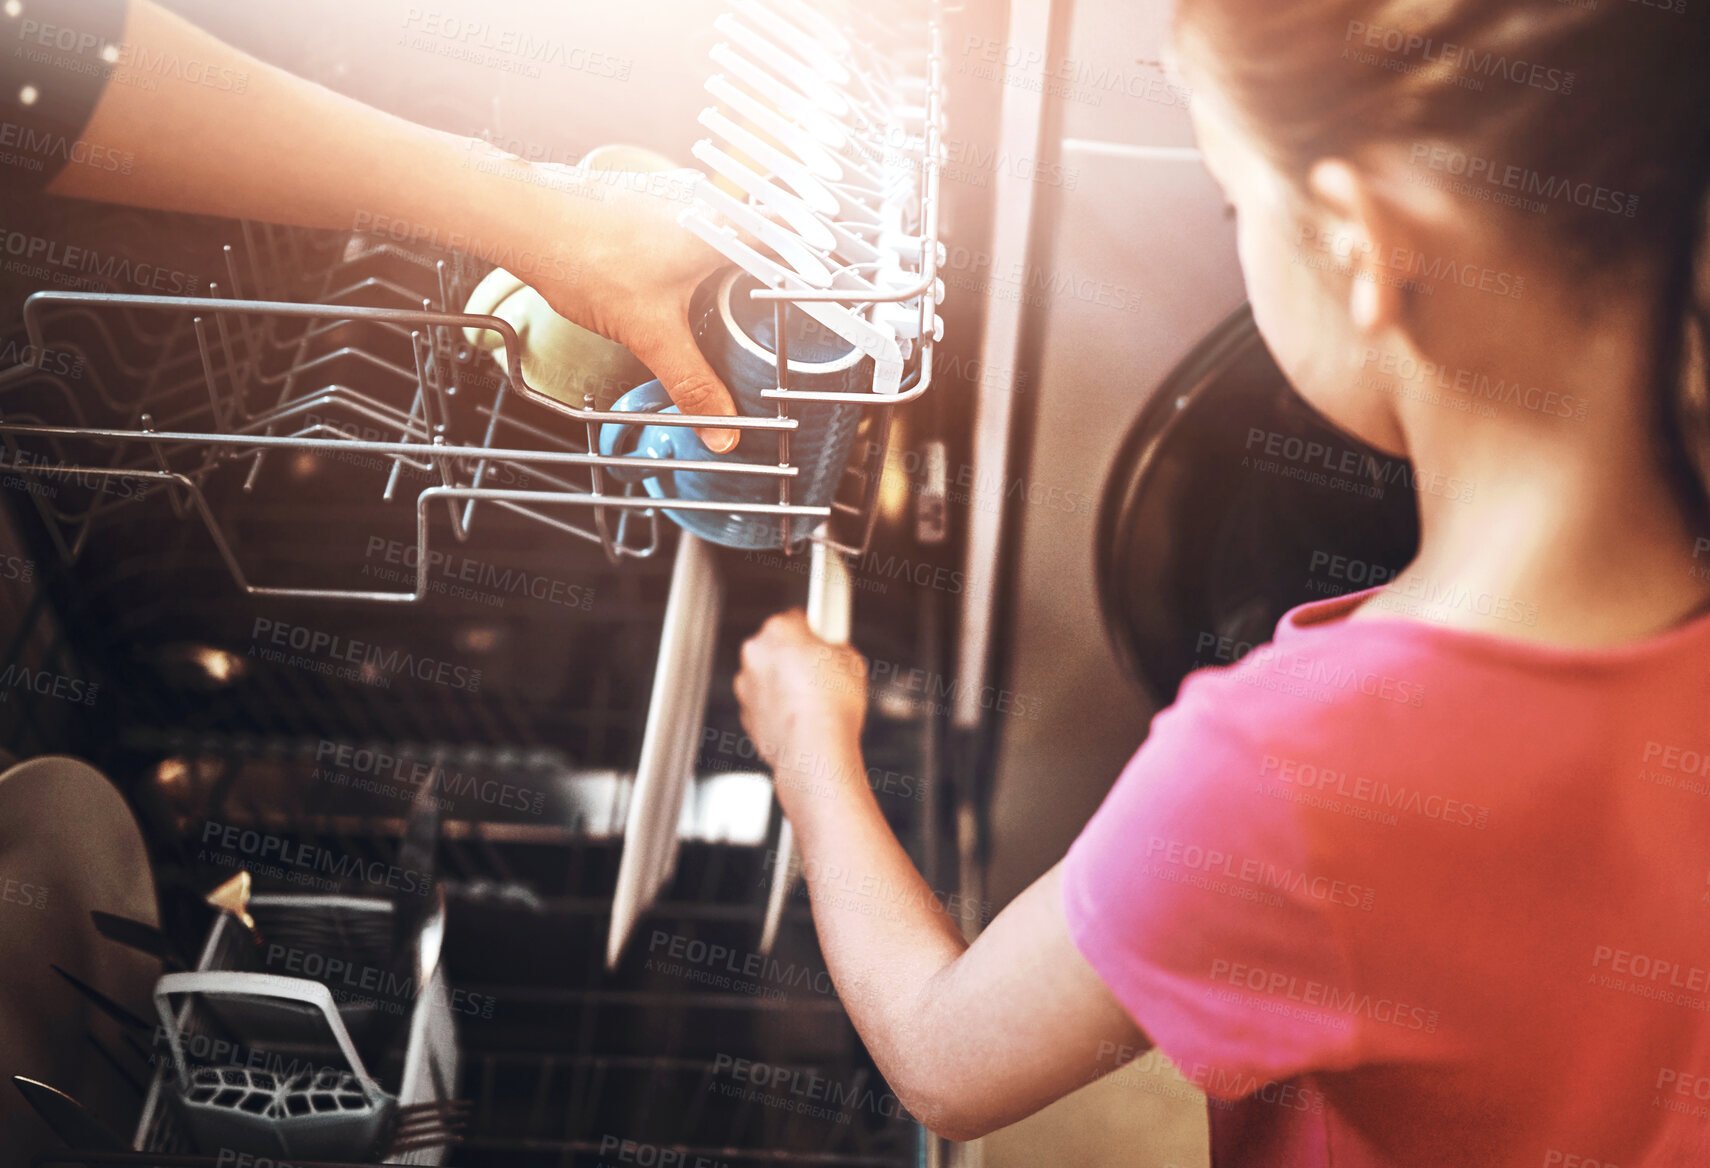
(695, 1049)
(691, 1052)
(302, 931)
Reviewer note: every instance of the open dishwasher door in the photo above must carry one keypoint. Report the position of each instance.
(311, 557)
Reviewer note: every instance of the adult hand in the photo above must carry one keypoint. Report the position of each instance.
(631, 277)
(803, 699)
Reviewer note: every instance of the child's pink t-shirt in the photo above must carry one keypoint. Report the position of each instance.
(1396, 894)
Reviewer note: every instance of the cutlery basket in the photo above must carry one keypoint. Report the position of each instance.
(303, 1043)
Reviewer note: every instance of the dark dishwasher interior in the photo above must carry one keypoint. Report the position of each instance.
(526, 679)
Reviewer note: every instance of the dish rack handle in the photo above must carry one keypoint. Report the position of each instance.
(233, 984)
(830, 602)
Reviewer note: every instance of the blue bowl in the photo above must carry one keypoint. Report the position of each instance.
(738, 337)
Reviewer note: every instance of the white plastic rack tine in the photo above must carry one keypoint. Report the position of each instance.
(827, 60)
(799, 253)
(810, 20)
(785, 167)
(791, 68)
(789, 101)
(875, 340)
(820, 162)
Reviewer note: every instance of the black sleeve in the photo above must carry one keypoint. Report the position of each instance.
(55, 60)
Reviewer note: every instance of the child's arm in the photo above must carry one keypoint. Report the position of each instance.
(971, 1037)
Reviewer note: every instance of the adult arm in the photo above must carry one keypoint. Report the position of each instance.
(288, 151)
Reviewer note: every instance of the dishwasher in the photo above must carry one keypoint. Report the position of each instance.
(359, 620)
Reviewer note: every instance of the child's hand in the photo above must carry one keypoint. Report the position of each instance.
(803, 699)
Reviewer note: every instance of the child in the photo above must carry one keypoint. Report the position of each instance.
(1419, 883)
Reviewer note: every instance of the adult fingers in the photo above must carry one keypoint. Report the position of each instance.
(670, 353)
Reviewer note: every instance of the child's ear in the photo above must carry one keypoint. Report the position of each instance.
(1357, 220)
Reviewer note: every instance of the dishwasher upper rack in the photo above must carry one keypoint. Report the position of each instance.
(215, 424)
